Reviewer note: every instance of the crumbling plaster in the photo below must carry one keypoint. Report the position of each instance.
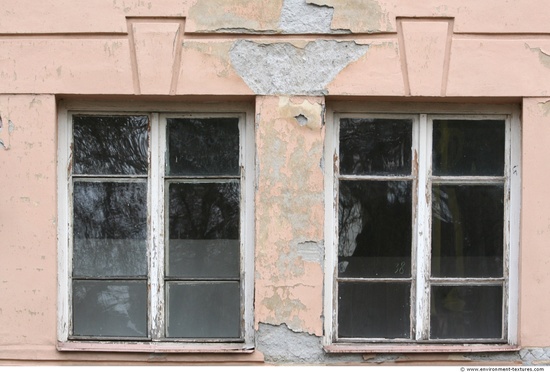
(234, 15)
(287, 68)
(362, 16)
(289, 213)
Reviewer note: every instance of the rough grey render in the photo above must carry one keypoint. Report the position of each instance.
(538, 356)
(281, 345)
(298, 17)
(283, 68)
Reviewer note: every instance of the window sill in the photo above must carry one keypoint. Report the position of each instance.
(152, 347)
(419, 348)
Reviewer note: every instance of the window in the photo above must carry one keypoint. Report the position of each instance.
(422, 236)
(155, 247)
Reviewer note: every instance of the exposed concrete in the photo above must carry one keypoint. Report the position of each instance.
(297, 16)
(281, 345)
(284, 68)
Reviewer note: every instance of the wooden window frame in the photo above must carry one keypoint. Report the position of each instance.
(158, 112)
(422, 115)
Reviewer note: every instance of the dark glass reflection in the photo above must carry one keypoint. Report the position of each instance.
(374, 310)
(110, 308)
(375, 229)
(466, 312)
(468, 147)
(204, 229)
(375, 146)
(467, 230)
(110, 145)
(203, 146)
(203, 310)
(110, 228)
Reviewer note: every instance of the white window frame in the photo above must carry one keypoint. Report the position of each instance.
(157, 112)
(422, 114)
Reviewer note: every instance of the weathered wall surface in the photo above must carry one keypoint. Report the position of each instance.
(27, 222)
(290, 213)
(292, 57)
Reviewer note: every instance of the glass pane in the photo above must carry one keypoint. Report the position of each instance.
(375, 230)
(203, 310)
(208, 258)
(468, 147)
(375, 146)
(466, 312)
(110, 144)
(110, 229)
(110, 308)
(203, 146)
(204, 229)
(374, 310)
(467, 231)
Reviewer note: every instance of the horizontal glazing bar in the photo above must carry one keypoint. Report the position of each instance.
(374, 340)
(111, 278)
(373, 280)
(104, 338)
(110, 178)
(210, 280)
(464, 341)
(467, 281)
(203, 340)
(375, 178)
(468, 180)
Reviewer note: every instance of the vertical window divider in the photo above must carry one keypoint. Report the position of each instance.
(423, 251)
(64, 224)
(247, 161)
(331, 227)
(514, 205)
(156, 241)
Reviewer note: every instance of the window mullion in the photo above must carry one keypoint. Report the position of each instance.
(156, 251)
(423, 230)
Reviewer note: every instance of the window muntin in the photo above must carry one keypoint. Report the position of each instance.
(126, 278)
(369, 302)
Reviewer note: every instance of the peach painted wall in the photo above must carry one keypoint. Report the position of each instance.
(396, 50)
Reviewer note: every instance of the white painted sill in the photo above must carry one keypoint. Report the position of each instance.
(419, 348)
(153, 347)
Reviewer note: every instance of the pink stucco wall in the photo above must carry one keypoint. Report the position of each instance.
(189, 50)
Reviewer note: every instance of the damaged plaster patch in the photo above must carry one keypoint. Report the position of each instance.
(544, 57)
(11, 128)
(311, 251)
(535, 356)
(281, 345)
(248, 16)
(299, 17)
(357, 15)
(282, 68)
